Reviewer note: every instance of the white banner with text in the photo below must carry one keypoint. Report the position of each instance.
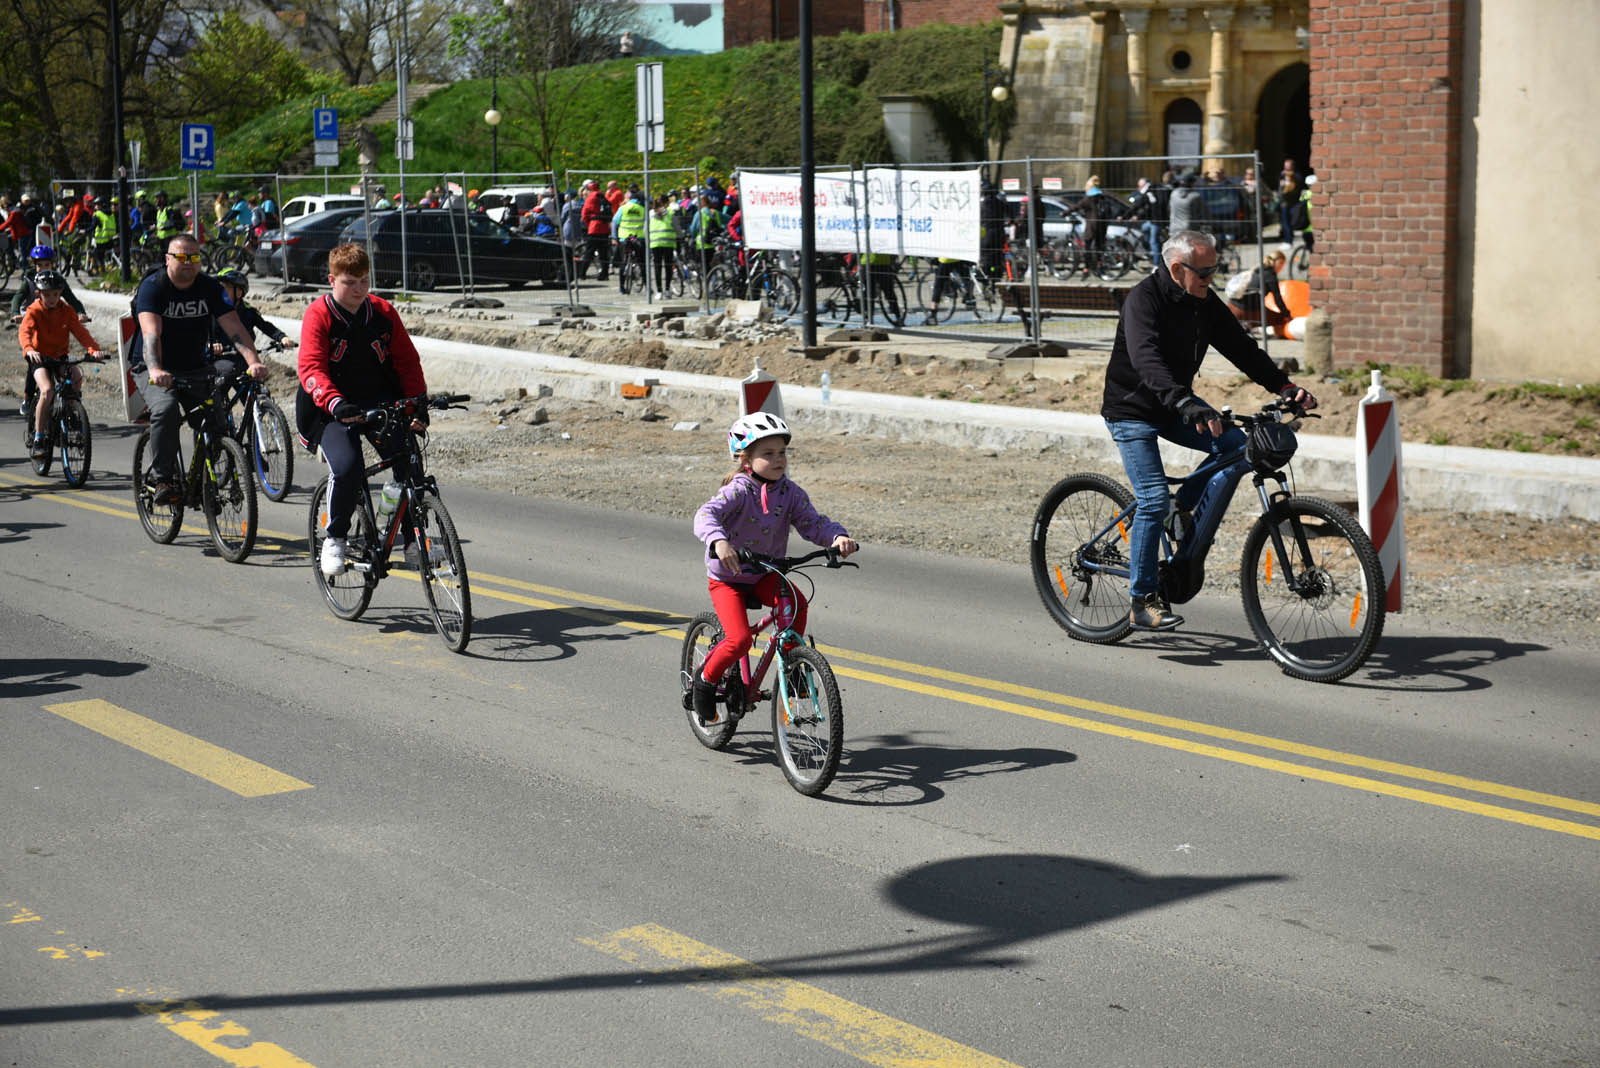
(912, 213)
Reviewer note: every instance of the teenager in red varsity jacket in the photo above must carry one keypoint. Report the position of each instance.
(354, 354)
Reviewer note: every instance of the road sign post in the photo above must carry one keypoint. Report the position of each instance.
(650, 131)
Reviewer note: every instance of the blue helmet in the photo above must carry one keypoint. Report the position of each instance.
(42, 252)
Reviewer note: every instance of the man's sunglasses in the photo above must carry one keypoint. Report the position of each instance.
(194, 257)
(1201, 272)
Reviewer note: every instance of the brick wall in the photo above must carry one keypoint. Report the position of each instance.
(749, 21)
(1385, 145)
(913, 13)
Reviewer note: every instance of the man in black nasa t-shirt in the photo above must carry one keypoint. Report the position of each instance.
(175, 308)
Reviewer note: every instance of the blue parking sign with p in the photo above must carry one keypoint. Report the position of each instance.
(325, 124)
(198, 150)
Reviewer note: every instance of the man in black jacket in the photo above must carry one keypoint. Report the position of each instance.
(1168, 321)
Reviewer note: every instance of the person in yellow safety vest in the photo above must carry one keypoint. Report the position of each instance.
(1303, 216)
(663, 243)
(105, 232)
(169, 220)
(880, 265)
(630, 225)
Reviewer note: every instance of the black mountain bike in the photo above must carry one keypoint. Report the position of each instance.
(420, 521)
(218, 481)
(67, 427)
(1312, 585)
(262, 430)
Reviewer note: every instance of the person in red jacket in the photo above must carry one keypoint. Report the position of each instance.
(354, 353)
(596, 216)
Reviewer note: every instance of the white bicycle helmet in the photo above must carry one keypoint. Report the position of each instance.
(749, 429)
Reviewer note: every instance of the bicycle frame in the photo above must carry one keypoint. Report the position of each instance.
(413, 487)
(1221, 476)
(780, 617)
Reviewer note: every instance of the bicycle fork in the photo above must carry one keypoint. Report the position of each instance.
(1295, 582)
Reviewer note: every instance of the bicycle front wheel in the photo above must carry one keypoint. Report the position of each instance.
(1300, 262)
(722, 284)
(1080, 551)
(229, 500)
(807, 721)
(77, 447)
(350, 591)
(272, 449)
(160, 521)
(444, 572)
(1320, 612)
(702, 635)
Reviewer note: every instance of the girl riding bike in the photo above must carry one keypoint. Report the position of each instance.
(754, 510)
(46, 327)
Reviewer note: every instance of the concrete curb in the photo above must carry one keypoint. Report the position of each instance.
(1447, 478)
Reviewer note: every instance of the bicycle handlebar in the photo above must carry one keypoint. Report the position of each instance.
(782, 564)
(409, 406)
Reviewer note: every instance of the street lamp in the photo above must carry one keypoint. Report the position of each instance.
(998, 93)
(492, 117)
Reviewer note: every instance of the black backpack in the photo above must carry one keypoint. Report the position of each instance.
(602, 211)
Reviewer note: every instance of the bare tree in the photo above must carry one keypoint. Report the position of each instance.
(535, 39)
(355, 39)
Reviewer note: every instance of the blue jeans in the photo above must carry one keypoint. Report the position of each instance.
(1152, 238)
(1141, 459)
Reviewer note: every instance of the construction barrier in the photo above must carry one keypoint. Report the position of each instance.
(1378, 489)
(759, 393)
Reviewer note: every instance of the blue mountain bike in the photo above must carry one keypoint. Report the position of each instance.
(1312, 585)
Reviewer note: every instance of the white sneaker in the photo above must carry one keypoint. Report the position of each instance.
(332, 556)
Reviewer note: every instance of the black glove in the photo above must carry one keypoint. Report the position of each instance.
(1194, 411)
(1290, 392)
(343, 409)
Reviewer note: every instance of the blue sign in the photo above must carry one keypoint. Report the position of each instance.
(324, 124)
(199, 147)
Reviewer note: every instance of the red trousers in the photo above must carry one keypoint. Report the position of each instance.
(729, 602)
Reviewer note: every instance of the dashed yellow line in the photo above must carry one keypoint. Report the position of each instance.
(225, 768)
(809, 1011)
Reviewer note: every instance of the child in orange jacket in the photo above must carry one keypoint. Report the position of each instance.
(47, 326)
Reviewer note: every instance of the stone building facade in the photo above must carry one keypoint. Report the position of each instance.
(1166, 78)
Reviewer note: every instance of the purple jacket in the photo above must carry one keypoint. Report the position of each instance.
(748, 519)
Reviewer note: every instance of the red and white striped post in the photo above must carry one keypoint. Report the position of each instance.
(132, 399)
(759, 393)
(1378, 489)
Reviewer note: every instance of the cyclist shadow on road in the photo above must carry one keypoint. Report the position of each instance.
(33, 677)
(1401, 662)
(22, 531)
(547, 634)
(899, 770)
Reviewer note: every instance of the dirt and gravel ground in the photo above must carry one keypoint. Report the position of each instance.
(1492, 574)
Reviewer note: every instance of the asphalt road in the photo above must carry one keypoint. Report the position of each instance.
(238, 830)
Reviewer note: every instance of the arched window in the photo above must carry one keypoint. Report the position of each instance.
(1183, 119)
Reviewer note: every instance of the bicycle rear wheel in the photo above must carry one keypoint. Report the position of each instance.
(443, 567)
(702, 635)
(1321, 612)
(77, 446)
(1082, 526)
(350, 591)
(722, 284)
(228, 497)
(807, 721)
(160, 521)
(1115, 260)
(272, 449)
(779, 289)
(1300, 262)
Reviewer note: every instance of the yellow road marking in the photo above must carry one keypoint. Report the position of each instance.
(573, 602)
(213, 763)
(811, 1012)
(193, 1022)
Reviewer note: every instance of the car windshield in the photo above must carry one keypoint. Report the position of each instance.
(483, 226)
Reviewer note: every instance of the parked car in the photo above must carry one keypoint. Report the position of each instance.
(497, 202)
(306, 243)
(1231, 212)
(300, 207)
(438, 250)
(1060, 216)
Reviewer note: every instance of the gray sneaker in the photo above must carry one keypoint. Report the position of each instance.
(1150, 612)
